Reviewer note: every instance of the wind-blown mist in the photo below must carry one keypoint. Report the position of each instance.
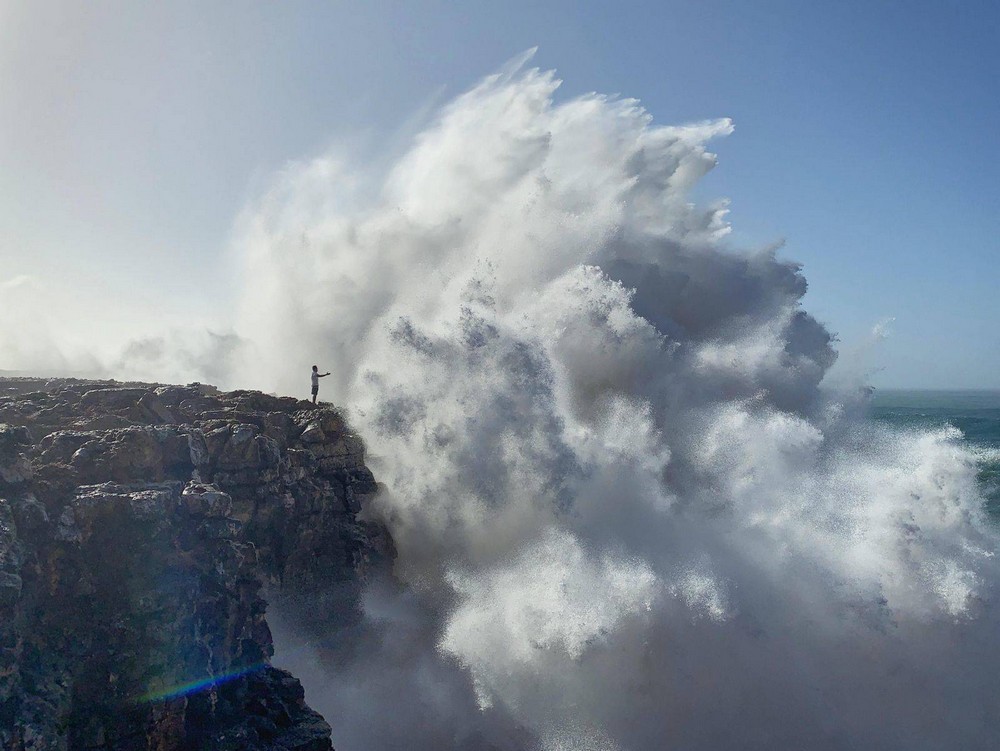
(631, 517)
(35, 340)
(628, 516)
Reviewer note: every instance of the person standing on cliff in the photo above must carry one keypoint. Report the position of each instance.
(316, 375)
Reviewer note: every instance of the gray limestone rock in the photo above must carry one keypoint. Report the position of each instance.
(139, 527)
(14, 465)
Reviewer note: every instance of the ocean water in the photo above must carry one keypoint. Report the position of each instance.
(975, 413)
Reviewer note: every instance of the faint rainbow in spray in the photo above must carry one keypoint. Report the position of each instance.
(193, 687)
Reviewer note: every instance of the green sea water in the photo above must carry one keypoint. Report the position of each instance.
(975, 413)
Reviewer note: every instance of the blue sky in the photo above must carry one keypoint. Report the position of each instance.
(131, 135)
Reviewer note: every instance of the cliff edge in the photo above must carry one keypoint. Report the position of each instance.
(139, 526)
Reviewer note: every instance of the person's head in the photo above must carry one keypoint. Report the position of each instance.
(315, 368)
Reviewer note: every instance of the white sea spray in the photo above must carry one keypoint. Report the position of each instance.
(629, 510)
(628, 514)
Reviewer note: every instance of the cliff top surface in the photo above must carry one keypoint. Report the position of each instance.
(74, 403)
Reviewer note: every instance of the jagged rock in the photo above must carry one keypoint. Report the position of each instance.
(206, 500)
(139, 525)
(29, 513)
(154, 409)
(108, 399)
(14, 465)
(313, 434)
(16, 471)
(10, 588)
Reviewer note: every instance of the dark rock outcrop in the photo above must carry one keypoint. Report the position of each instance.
(139, 526)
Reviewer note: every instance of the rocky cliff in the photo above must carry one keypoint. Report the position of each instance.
(140, 528)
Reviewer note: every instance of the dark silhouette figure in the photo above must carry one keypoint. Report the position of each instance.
(316, 375)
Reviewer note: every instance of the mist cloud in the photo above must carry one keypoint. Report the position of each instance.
(629, 515)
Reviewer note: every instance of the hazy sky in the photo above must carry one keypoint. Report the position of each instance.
(131, 134)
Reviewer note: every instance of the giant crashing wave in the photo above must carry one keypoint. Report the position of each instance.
(628, 514)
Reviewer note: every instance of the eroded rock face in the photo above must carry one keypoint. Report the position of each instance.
(139, 526)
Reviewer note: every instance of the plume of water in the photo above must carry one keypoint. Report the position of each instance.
(629, 515)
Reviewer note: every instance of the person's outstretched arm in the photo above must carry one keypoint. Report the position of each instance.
(324, 375)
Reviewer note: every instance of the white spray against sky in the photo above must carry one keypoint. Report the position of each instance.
(627, 515)
(632, 519)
